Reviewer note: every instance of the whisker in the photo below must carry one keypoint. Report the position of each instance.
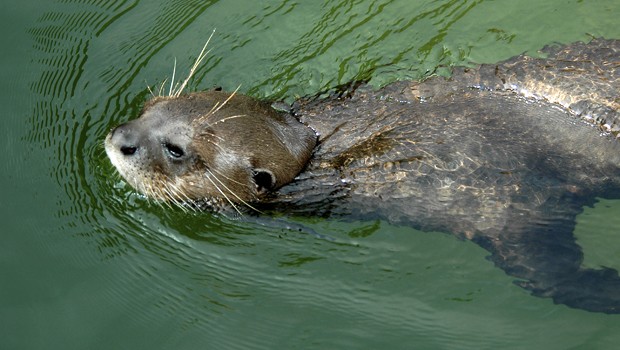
(174, 70)
(232, 94)
(224, 176)
(215, 144)
(154, 193)
(161, 87)
(147, 190)
(197, 63)
(218, 106)
(161, 204)
(173, 193)
(149, 88)
(233, 193)
(181, 195)
(212, 135)
(224, 195)
(228, 118)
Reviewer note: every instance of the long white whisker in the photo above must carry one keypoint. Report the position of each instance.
(216, 145)
(224, 195)
(215, 172)
(161, 87)
(147, 189)
(231, 192)
(174, 70)
(169, 194)
(227, 99)
(175, 195)
(228, 118)
(181, 195)
(197, 63)
(219, 106)
(210, 134)
(162, 202)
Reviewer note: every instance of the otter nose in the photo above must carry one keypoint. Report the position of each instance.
(128, 150)
(125, 139)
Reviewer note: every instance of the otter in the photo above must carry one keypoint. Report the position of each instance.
(505, 155)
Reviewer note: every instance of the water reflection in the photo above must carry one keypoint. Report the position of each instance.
(350, 42)
(183, 272)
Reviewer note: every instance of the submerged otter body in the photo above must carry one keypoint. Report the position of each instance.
(505, 155)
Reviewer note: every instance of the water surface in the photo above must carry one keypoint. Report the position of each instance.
(87, 264)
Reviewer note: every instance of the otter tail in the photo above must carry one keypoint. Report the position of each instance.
(587, 289)
(539, 248)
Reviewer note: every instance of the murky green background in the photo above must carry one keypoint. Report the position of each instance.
(87, 264)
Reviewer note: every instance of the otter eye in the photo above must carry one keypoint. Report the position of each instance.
(174, 150)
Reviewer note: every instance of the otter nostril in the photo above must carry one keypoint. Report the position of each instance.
(128, 150)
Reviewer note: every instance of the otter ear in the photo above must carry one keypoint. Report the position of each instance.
(264, 180)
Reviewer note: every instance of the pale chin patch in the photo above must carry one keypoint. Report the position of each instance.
(112, 153)
(120, 164)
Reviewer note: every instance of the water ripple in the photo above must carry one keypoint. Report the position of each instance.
(199, 275)
(360, 53)
(74, 91)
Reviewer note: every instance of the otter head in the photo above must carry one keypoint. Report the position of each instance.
(213, 148)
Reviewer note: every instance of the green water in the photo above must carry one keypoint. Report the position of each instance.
(87, 264)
